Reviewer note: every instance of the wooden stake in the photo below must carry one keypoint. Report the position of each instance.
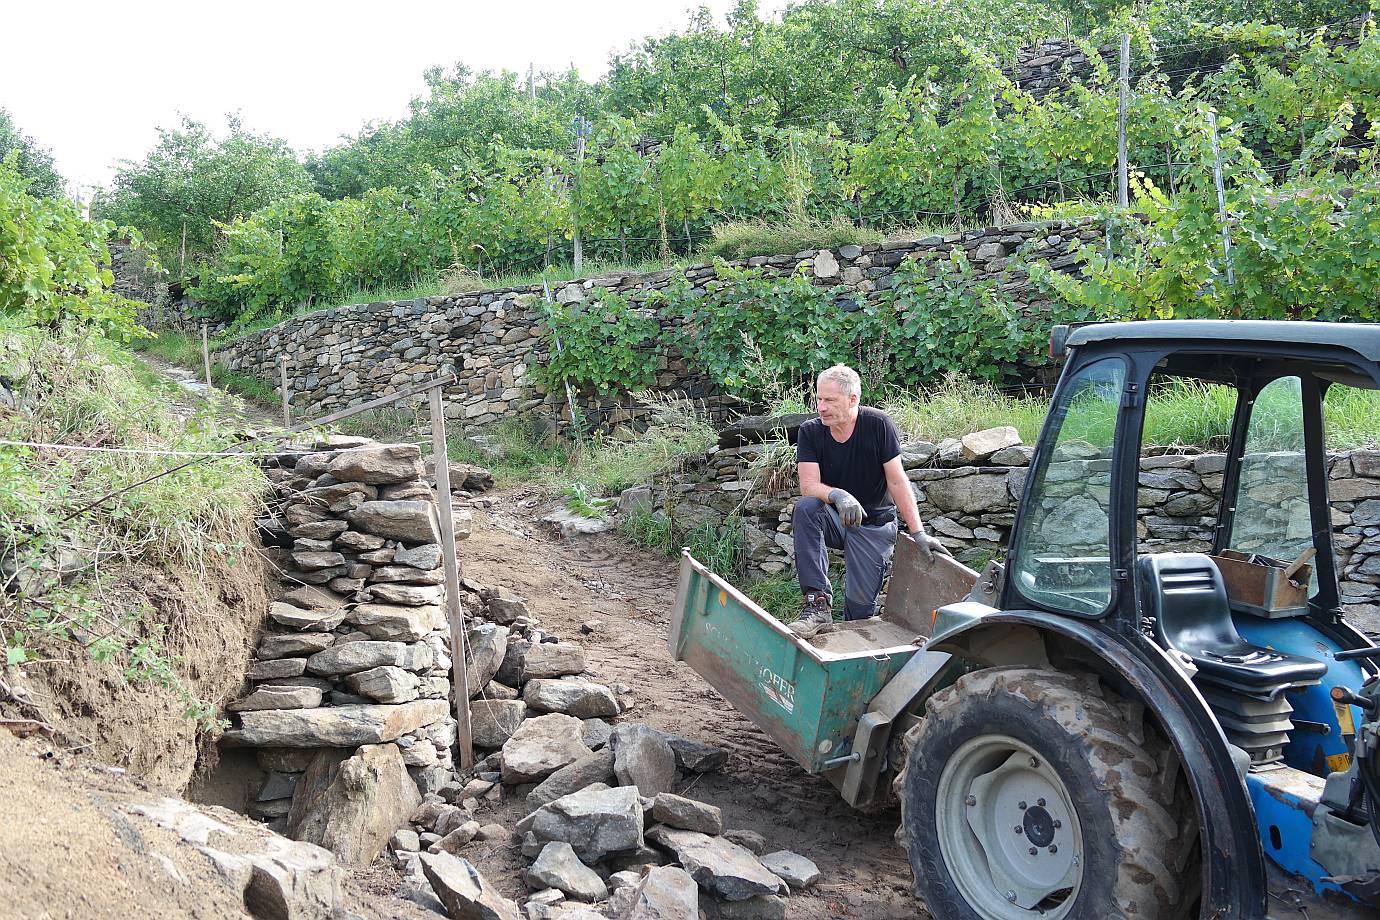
(454, 615)
(1221, 199)
(283, 386)
(1123, 178)
(206, 355)
(578, 258)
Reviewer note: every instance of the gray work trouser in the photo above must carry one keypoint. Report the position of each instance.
(866, 552)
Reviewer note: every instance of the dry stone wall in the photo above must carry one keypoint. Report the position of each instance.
(350, 679)
(968, 491)
(493, 340)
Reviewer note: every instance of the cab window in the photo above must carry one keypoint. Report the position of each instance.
(1062, 557)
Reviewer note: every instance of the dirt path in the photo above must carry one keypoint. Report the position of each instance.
(570, 582)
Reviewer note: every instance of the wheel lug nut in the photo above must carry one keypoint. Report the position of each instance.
(1058, 824)
(1018, 829)
(1011, 896)
(1054, 848)
(1040, 802)
(1022, 806)
(1034, 851)
(970, 800)
(1034, 762)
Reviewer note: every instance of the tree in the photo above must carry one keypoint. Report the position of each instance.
(32, 162)
(191, 181)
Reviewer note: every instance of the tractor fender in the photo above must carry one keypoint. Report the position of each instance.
(1234, 880)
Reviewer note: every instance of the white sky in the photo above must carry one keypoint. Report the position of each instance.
(92, 80)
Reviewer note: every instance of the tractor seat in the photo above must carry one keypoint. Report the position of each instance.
(1185, 594)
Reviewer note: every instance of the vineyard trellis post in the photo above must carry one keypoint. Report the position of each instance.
(455, 615)
(578, 257)
(283, 384)
(1221, 198)
(1123, 102)
(206, 354)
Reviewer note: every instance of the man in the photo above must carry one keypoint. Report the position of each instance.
(851, 485)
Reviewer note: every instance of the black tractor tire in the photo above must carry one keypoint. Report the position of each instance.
(1141, 855)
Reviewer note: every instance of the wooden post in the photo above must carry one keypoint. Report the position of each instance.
(454, 615)
(1123, 179)
(283, 386)
(578, 259)
(206, 355)
(1221, 198)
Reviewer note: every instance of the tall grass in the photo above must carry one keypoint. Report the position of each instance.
(718, 546)
(743, 239)
(1179, 413)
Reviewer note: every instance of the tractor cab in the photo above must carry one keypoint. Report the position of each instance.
(1220, 571)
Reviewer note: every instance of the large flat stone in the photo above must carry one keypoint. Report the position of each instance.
(541, 746)
(553, 659)
(320, 620)
(283, 646)
(578, 698)
(336, 726)
(719, 866)
(405, 595)
(396, 622)
(349, 657)
(409, 521)
(278, 698)
(378, 465)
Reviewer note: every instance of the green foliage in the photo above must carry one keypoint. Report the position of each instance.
(774, 135)
(62, 570)
(54, 265)
(285, 253)
(192, 181)
(32, 162)
(603, 343)
(718, 546)
(606, 465)
(944, 320)
(790, 319)
(733, 240)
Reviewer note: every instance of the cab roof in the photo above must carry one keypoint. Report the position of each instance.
(1362, 339)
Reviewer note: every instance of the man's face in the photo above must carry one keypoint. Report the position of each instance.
(834, 405)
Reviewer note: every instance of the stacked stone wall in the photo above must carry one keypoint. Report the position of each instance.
(968, 499)
(493, 340)
(356, 652)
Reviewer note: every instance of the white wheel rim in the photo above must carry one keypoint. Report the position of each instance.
(998, 800)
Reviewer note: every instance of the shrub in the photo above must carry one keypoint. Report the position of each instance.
(734, 240)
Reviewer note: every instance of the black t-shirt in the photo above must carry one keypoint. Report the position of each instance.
(855, 465)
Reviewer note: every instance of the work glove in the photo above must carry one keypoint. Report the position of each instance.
(928, 546)
(850, 511)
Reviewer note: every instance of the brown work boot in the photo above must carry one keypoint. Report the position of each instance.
(816, 616)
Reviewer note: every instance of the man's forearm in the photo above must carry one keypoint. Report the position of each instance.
(904, 498)
(816, 490)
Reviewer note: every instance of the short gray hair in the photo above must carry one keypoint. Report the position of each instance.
(846, 378)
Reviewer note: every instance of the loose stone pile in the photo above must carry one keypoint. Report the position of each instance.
(350, 681)
(604, 826)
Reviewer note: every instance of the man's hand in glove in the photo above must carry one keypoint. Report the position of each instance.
(850, 512)
(929, 546)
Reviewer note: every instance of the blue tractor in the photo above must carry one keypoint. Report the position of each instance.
(1111, 726)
